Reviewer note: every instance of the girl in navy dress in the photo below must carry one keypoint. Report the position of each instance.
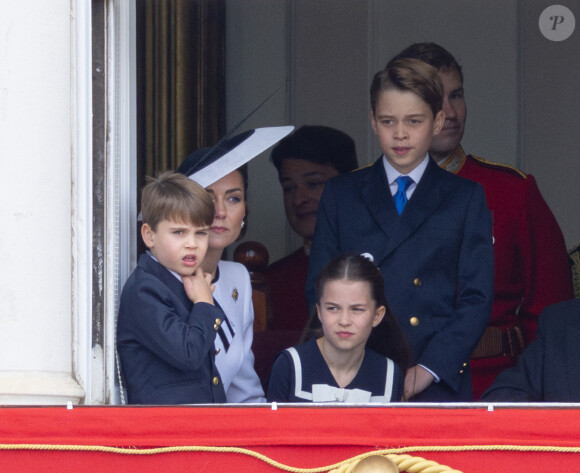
(338, 366)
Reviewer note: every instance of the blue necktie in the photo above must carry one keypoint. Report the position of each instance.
(401, 197)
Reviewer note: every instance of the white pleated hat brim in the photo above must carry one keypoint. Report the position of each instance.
(256, 143)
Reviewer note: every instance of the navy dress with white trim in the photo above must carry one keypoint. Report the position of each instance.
(300, 374)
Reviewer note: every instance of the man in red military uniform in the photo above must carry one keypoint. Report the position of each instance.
(531, 262)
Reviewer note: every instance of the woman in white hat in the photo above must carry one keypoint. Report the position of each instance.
(222, 171)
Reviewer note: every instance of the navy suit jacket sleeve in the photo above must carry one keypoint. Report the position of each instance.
(183, 342)
(523, 382)
(160, 318)
(165, 342)
(549, 368)
(455, 341)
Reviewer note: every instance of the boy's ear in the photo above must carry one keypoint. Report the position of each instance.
(379, 314)
(148, 235)
(318, 312)
(373, 122)
(438, 122)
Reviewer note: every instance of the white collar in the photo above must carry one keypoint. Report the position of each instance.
(172, 272)
(415, 174)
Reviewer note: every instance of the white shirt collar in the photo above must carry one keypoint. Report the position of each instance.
(416, 174)
(172, 272)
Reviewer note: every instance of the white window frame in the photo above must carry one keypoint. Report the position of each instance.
(95, 368)
(121, 208)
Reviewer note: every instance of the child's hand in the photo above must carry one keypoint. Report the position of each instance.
(198, 286)
(417, 379)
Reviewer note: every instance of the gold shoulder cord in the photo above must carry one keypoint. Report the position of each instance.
(500, 165)
(397, 455)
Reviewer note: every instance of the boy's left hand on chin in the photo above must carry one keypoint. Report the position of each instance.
(417, 379)
(198, 286)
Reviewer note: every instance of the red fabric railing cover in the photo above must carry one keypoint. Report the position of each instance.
(301, 437)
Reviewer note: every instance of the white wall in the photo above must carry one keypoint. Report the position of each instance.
(35, 191)
(551, 118)
(333, 58)
(258, 64)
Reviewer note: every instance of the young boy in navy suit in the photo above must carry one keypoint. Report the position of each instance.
(167, 318)
(428, 231)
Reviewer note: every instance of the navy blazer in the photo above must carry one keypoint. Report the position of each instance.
(165, 342)
(549, 368)
(436, 259)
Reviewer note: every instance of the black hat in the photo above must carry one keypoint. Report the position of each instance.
(208, 165)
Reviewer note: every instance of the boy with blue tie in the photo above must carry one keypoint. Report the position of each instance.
(531, 266)
(428, 231)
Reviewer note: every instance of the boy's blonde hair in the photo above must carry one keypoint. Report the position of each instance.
(411, 75)
(173, 196)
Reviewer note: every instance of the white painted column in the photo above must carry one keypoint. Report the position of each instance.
(36, 139)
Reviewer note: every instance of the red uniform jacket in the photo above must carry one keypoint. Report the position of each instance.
(531, 262)
(286, 281)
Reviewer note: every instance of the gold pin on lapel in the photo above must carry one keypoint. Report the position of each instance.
(235, 295)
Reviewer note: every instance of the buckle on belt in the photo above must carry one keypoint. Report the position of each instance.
(497, 342)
